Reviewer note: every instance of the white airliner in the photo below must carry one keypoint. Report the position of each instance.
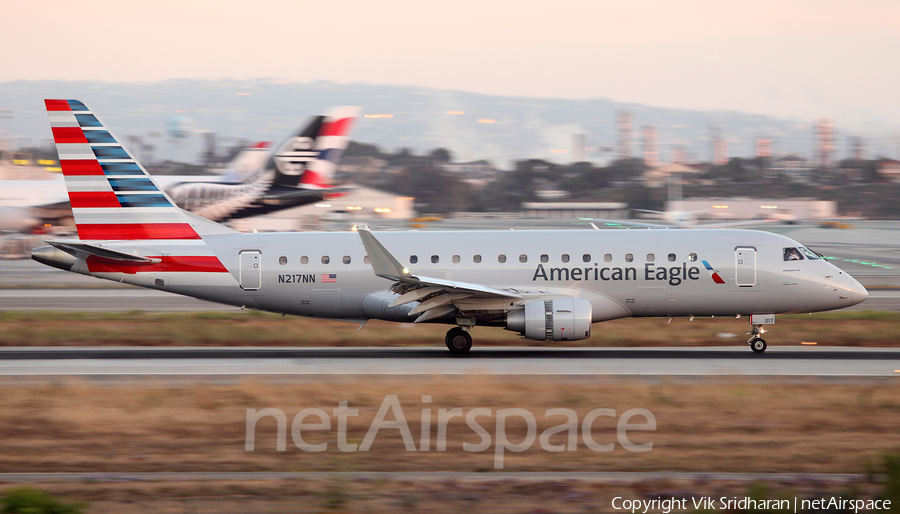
(25, 204)
(257, 181)
(545, 285)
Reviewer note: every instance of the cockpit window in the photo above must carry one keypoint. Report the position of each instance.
(792, 254)
(811, 255)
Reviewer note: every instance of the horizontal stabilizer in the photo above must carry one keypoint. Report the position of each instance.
(84, 250)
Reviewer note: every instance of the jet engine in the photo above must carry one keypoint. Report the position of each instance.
(560, 319)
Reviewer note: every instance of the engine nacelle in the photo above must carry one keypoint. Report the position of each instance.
(562, 319)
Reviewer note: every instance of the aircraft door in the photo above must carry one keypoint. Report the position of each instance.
(745, 266)
(251, 270)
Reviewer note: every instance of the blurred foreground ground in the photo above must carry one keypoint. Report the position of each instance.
(735, 426)
(253, 328)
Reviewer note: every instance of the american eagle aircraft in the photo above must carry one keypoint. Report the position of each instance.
(545, 285)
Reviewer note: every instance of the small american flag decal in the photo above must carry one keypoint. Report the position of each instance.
(329, 278)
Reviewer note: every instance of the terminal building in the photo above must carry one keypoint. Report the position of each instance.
(575, 210)
(748, 209)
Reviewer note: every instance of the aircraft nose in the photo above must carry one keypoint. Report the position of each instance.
(855, 292)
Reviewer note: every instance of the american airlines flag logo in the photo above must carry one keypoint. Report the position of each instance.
(329, 278)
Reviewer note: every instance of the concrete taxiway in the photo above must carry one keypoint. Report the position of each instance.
(148, 300)
(737, 361)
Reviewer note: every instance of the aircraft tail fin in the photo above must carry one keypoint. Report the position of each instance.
(111, 194)
(309, 157)
(249, 160)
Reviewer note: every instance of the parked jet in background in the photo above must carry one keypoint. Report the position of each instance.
(546, 285)
(257, 180)
(25, 204)
(298, 172)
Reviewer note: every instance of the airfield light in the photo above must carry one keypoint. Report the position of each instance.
(768, 206)
(354, 228)
(487, 120)
(323, 205)
(809, 343)
(456, 112)
(373, 116)
(720, 206)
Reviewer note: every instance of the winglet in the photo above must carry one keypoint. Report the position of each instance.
(384, 264)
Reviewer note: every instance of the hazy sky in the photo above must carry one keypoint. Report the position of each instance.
(789, 58)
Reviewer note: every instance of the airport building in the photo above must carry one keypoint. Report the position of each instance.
(358, 203)
(747, 208)
(575, 210)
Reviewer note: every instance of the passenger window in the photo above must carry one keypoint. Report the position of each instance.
(810, 254)
(282, 260)
(501, 258)
(671, 257)
(692, 257)
(304, 260)
(629, 257)
(565, 257)
(650, 257)
(346, 259)
(413, 259)
(435, 259)
(325, 259)
(544, 258)
(607, 257)
(476, 259)
(586, 257)
(523, 258)
(792, 254)
(455, 259)
(367, 260)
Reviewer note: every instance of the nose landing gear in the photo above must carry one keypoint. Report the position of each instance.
(757, 344)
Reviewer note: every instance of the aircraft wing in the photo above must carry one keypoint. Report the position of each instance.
(291, 194)
(624, 224)
(435, 295)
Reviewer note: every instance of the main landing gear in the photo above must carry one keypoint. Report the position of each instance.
(757, 344)
(458, 340)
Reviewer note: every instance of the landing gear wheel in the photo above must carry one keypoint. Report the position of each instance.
(458, 340)
(758, 345)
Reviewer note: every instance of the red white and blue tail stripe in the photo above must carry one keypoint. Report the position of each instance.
(112, 196)
(309, 157)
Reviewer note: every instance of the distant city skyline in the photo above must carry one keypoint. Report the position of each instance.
(178, 117)
(798, 60)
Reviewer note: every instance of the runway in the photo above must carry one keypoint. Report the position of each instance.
(736, 361)
(136, 299)
(106, 299)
